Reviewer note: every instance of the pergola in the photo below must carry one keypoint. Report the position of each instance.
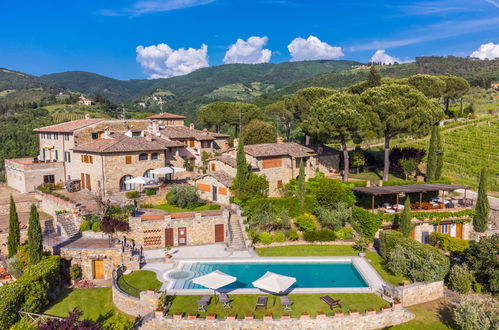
(409, 188)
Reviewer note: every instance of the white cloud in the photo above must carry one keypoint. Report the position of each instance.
(380, 56)
(312, 49)
(153, 6)
(250, 51)
(487, 51)
(161, 61)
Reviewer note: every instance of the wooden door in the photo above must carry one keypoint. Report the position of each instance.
(459, 230)
(87, 178)
(213, 166)
(169, 241)
(82, 181)
(182, 236)
(98, 269)
(219, 233)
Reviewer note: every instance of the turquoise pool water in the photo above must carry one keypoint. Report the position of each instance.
(308, 275)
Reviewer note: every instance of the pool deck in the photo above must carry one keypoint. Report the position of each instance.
(370, 276)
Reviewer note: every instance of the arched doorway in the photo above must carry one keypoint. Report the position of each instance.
(126, 186)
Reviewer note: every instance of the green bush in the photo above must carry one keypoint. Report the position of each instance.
(264, 217)
(265, 238)
(279, 237)
(24, 324)
(290, 204)
(344, 233)
(482, 260)
(75, 272)
(452, 244)
(460, 279)
(477, 287)
(118, 322)
(361, 244)
(306, 222)
(132, 194)
(334, 218)
(474, 312)
(330, 192)
(85, 225)
(150, 192)
(96, 227)
(387, 241)
(366, 223)
(183, 196)
(323, 235)
(293, 235)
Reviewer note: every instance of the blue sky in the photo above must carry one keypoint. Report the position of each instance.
(40, 37)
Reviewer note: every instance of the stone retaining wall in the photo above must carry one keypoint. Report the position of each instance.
(374, 321)
(418, 293)
(259, 245)
(51, 204)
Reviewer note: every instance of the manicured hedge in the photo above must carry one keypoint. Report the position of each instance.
(292, 204)
(435, 216)
(323, 235)
(366, 223)
(452, 244)
(32, 292)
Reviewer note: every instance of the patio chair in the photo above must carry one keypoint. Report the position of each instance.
(286, 303)
(224, 299)
(261, 302)
(203, 303)
(331, 302)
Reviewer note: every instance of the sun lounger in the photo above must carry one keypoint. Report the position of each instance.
(331, 302)
(261, 302)
(203, 303)
(286, 303)
(224, 299)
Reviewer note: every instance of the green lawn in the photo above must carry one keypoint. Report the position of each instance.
(172, 208)
(311, 303)
(95, 303)
(306, 250)
(378, 264)
(427, 317)
(137, 281)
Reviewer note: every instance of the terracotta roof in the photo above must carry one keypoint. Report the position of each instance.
(166, 115)
(121, 143)
(220, 176)
(70, 126)
(226, 159)
(322, 149)
(184, 132)
(278, 149)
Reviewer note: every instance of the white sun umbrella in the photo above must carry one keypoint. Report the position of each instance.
(274, 283)
(168, 170)
(214, 280)
(139, 180)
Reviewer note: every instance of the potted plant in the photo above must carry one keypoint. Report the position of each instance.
(354, 312)
(150, 291)
(267, 316)
(159, 312)
(249, 317)
(230, 318)
(370, 311)
(192, 316)
(397, 304)
(339, 314)
(304, 316)
(178, 315)
(361, 246)
(167, 255)
(286, 317)
(210, 317)
(386, 309)
(321, 315)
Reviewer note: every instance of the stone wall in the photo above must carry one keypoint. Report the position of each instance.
(51, 204)
(418, 293)
(24, 175)
(221, 166)
(130, 305)
(223, 199)
(149, 231)
(378, 320)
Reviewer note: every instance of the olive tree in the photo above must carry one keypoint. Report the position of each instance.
(399, 109)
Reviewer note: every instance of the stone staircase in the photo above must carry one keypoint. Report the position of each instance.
(67, 225)
(236, 242)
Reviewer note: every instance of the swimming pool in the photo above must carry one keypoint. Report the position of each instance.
(307, 274)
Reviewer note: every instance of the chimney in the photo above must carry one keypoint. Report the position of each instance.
(280, 140)
(107, 133)
(191, 125)
(155, 127)
(205, 131)
(87, 116)
(148, 138)
(225, 146)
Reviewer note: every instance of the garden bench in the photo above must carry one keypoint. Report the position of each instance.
(331, 302)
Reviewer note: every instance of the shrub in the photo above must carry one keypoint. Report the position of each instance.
(306, 222)
(24, 324)
(477, 287)
(75, 272)
(253, 235)
(460, 279)
(323, 235)
(333, 218)
(473, 312)
(330, 192)
(150, 192)
(279, 237)
(387, 241)
(344, 233)
(265, 238)
(482, 260)
(110, 225)
(293, 235)
(119, 213)
(132, 194)
(365, 222)
(183, 196)
(15, 266)
(85, 225)
(361, 244)
(96, 227)
(118, 322)
(264, 217)
(255, 187)
(448, 243)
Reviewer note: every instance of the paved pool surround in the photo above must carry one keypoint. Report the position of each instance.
(363, 267)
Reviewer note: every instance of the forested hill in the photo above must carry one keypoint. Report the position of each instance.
(197, 83)
(17, 87)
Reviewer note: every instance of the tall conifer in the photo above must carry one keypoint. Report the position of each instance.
(301, 193)
(482, 204)
(439, 163)
(432, 156)
(405, 219)
(14, 239)
(35, 239)
(242, 167)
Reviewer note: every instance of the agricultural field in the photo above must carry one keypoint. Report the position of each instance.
(467, 149)
(240, 91)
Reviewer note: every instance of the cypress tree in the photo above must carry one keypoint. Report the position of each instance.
(14, 239)
(35, 248)
(374, 77)
(301, 185)
(405, 224)
(439, 163)
(242, 167)
(482, 204)
(432, 156)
